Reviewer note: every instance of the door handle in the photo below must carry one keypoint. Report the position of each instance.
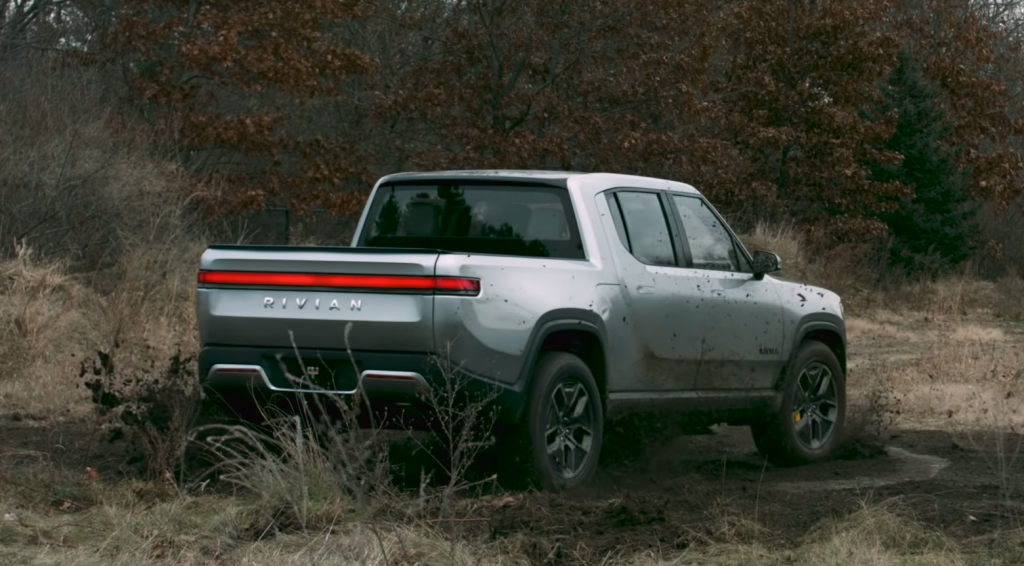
(645, 290)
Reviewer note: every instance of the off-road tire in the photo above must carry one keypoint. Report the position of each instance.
(779, 437)
(555, 374)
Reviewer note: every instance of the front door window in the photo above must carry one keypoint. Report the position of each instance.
(711, 245)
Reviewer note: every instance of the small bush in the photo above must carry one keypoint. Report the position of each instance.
(463, 420)
(154, 413)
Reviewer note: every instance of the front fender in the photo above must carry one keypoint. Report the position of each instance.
(826, 323)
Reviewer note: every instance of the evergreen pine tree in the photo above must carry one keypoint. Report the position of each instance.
(937, 221)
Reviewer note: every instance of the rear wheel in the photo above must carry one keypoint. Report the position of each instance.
(809, 423)
(563, 428)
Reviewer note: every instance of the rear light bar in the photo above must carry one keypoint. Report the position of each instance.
(400, 283)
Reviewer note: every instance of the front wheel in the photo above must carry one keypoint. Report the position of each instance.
(563, 427)
(809, 424)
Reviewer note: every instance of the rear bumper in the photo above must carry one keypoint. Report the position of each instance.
(392, 382)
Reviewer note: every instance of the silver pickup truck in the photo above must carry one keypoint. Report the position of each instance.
(577, 297)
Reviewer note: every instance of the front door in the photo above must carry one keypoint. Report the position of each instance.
(743, 328)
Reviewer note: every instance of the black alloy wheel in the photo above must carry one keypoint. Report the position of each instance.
(815, 406)
(563, 426)
(808, 426)
(569, 433)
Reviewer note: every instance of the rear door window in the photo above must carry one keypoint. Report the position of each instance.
(502, 219)
(643, 227)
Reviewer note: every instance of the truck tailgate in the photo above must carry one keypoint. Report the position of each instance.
(277, 296)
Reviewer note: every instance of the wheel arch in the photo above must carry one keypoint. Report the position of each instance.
(831, 333)
(829, 330)
(574, 331)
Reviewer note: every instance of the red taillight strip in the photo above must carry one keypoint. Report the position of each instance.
(441, 285)
(457, 285)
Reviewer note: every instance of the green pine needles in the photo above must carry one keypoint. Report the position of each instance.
(932, 228)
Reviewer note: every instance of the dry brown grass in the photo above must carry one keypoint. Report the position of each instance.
(876, 535)
(949, 375)
(135, 523)
(881, 534)
(878, 327)
(959, 295)
(786, 241)
(871, 290)
(50, 322)
(45, 321)
(960, 376)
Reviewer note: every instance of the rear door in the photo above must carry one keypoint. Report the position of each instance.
(743, 328)
(664, 299)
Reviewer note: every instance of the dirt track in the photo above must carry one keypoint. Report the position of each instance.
(962, 478)
(700, 486)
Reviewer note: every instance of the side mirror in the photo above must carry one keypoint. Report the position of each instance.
(766, 262)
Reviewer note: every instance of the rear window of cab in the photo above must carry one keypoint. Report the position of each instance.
(493, 218)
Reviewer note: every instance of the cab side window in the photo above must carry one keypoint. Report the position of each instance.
(642, 226)
(711, 244)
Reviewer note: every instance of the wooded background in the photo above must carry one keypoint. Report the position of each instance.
(884, 127)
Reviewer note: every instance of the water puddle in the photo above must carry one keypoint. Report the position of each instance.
(909, 467)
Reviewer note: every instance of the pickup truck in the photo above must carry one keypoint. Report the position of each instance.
(575, 297)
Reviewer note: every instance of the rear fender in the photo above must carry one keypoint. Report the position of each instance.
(561, 320)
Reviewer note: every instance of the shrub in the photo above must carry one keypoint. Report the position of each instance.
(154, 413)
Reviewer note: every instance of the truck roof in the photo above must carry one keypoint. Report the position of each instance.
(587, 182)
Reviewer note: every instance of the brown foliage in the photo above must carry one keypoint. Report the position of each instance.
(544, 84)
(968, 56)
(242, 88)
(757, 102)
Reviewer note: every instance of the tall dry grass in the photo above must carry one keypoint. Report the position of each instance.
(867, 285)
(138, 523)
(96, 251)
(44, 323)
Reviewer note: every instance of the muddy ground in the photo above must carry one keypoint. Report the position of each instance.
(948, 471)
(703, 488)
